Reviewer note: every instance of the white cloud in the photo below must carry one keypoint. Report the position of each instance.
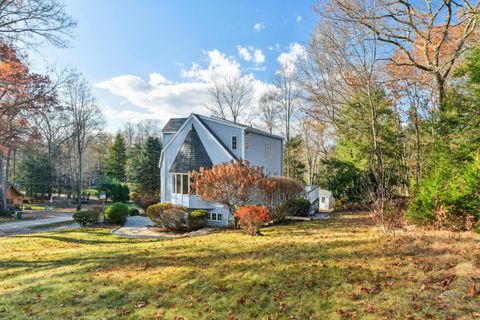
(289, 59)
(251, 54)
(258, 26)
(159, 98)
(258, 56)
(299, 19)
(244, 53)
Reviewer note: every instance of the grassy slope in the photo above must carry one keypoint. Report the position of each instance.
(342, 268)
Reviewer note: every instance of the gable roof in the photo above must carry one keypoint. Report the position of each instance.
(174, 124)
(192, 155)
(215, 136)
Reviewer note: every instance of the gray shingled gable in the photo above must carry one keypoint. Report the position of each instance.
(192, 155)
(174, 124)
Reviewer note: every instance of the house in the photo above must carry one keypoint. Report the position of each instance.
(199, 141)
(14, 197)
(326, 200)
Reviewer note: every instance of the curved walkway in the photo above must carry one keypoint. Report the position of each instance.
(138, 227)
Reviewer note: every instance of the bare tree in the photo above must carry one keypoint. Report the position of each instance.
(286, 94)
(269, 111)
(315, 146)
(32, 21)
(129, 133)
(231, 96)
(428, 35)
(86, 121)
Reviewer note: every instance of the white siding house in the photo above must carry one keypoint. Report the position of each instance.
(199, 141)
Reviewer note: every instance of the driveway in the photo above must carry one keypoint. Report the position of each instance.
(24, 226)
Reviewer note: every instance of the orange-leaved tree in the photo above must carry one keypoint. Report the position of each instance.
(233, 184)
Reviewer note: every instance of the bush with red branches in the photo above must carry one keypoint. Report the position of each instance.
(251, 218)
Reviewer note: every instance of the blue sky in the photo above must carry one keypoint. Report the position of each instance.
(153, 59)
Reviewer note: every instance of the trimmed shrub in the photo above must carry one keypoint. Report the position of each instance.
(251, 218)
(133, 212)
(85, 217)
(197, 219)
(167, 215)
(296, 207)
(275, 191)
(116, 213)
(5, 213)
(145, 200)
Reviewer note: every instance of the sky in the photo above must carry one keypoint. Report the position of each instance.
(150, 59)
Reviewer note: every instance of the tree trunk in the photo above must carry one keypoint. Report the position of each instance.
(80, 178)
(3, 182)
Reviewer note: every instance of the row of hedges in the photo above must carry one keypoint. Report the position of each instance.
(173, 217)
(115, 213)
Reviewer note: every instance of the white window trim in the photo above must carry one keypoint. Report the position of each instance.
(236, 142)
(173, 175)
(268, 150)
(217, 215)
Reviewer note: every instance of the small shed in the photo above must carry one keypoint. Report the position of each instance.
(14, 196)
(326, 200)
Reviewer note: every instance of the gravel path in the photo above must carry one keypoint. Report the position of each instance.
(137, 227)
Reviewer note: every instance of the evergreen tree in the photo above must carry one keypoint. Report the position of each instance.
(148, 179)
(117, 159)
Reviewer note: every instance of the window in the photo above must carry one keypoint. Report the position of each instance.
(324, 199)
(213, 216)
(185, 183)
(247, 142)
(268, 150)
(180, 183)
(234, 142)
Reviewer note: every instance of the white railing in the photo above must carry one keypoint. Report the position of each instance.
(190, 201)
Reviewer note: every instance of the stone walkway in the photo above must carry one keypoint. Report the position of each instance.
(138, 227)
(23, 226)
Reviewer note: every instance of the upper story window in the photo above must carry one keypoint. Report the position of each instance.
(268, 150)
(180, 183)
(247, 142)
(234, 142)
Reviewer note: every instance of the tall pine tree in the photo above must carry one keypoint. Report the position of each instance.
(117, 159)
(143, 166)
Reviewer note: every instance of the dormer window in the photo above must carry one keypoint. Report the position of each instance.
(234, 142)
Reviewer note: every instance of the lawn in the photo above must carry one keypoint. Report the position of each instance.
(343, 268)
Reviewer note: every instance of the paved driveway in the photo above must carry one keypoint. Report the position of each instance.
(23, 226)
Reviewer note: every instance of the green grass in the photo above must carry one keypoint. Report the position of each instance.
(6, 219)
(343, 268)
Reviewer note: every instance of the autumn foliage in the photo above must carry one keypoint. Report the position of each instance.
(276, 191)
(233, 184)
(251, 218)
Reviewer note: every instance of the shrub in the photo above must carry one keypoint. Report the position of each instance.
(277, 190)
(116, 213)
(85, 217)
(448, 196)
(145, 200)
(5, 213)
(251, 218)
(197, 219)
(133, 211)
(167, 215)
(296, 207)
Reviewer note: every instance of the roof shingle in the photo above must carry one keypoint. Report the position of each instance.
(192, 155)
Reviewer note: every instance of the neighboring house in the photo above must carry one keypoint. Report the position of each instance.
(14, 197)
(326, 200)
(199, 141)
